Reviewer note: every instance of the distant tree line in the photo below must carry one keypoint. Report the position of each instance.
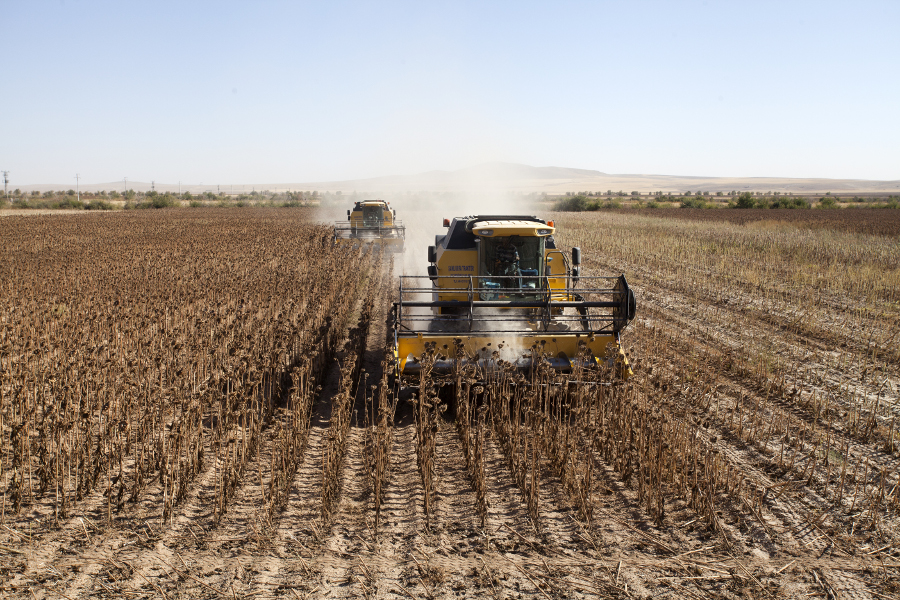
(131, 199)
(581, 202)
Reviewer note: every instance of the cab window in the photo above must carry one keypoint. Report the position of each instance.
(510, 263)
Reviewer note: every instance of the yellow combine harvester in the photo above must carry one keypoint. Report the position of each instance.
(371, 221)
(499, 286)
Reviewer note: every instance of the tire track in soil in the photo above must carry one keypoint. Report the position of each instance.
(844, 586)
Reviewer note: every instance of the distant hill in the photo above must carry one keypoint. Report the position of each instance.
(499, 176)
(555, 180)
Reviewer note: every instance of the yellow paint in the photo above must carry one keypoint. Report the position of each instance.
(356, 216)
(384, 232)
(557, 264)
(554, 344)
(459, 264)
(508, 228)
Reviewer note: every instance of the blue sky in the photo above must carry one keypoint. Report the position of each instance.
(242, 92)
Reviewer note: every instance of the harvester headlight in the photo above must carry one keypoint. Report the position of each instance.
(543, 232)
(486, 232)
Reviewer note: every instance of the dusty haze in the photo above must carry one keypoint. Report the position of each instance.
(499, 178)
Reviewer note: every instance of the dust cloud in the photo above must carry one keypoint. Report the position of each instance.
(422, 214)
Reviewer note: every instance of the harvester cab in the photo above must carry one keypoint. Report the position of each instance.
(371, 221)
(499, 289)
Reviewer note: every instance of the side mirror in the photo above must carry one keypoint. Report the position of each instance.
(348, 213)
(432, 272)
(432, 254)
(576, 256)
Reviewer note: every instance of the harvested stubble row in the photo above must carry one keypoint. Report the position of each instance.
(799, 449)
(131, 347)
(868, 221)
(778, 344)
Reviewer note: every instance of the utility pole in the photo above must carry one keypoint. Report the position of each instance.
(152, 186)
(125, 193)
(5, 183)
(179, 188)
(77, 188)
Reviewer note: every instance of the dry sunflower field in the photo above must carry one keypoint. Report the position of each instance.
(197, 404)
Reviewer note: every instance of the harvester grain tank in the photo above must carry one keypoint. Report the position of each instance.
(499, 289)
(371, 221)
